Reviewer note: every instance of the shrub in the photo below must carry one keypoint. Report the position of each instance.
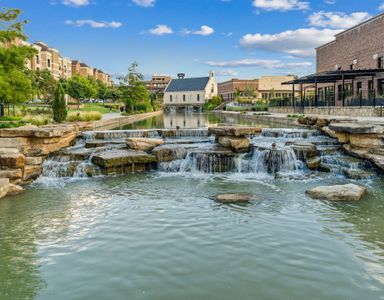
(10, 118)
(58, 105)
(84, 116)
(38, 120)
(212, 103)
(12, 124)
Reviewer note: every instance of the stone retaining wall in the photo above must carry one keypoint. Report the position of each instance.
(121, 121)
(264, 119)
(333, 111)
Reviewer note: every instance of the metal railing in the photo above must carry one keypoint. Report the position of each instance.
(363, 98)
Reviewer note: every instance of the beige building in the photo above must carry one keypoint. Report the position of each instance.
(271, 87)
(158, 83)
(228, 89)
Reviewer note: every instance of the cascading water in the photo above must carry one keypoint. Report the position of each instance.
(208, 161)
(269, 161)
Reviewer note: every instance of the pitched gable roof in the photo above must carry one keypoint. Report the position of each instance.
(187, 85)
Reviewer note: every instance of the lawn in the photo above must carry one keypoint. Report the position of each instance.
(95, 107)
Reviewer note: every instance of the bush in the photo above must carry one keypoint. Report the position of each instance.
(12, 124)
(213, 103)
(38, 120)
(10, 118)
(84, 116)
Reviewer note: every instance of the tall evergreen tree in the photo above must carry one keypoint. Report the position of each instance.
(58, 104)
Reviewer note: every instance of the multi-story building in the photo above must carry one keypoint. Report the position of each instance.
(85, 70)
(65, 68)
(158, 83)
(228, 89)
(271, 87)
(350, 69)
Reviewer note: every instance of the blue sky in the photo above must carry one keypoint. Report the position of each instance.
(236, 38)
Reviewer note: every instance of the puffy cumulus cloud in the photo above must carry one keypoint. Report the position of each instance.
(204, 31)
(161, 29)
(76, 2)
(94, 24)
(282, 5)
(145, 3)
(337, 19)
(381, 7)
(298, 43)
(260, 63)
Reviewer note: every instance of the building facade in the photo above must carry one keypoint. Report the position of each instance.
(190, 92)
(272, 87)
(158, 84)
(358, 53)
(228, 89)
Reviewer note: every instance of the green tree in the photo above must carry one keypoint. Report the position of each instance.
(15, 86)
(133, 90)
(80, 88)
(43, 83)
(58, 104)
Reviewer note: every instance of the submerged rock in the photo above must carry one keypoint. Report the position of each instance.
(14, 189)
(358, 174)
(348, 192)
(234, 198)
(4, 187)
(143, 144)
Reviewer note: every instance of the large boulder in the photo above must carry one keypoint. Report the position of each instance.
(32, 172)
(237, 144)
(313, 163)
(304, 150)
(124, 161)
(348, 192)
(352, 128)
(168, 153)
(233, 198)
(342, 137)
(143, 144)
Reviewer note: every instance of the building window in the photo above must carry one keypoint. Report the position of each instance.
(380, 63)
(37, 59)
(170, 98)
(184, 98)
(48, 63)
(351, 67)
(198, 97)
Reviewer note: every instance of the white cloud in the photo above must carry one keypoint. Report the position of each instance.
(298, 43)
(337, 19)
(228, 72)
(76, 2)
(161, 29)
(260, 63)
(204, 31)
(94, 24)
(145, 3)
(282, 5)
(381, 7)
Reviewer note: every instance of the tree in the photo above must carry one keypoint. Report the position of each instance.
(15, 86)
(58, 104)
(249, 91)
(133, 90)
(43, 83)
(80, 88)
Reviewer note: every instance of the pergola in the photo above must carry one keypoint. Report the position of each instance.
(331, 77)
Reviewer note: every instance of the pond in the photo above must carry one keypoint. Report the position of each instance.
(160, 235)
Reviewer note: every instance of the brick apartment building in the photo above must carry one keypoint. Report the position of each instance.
(158, 84)
(228, 89)
(48, 58)
(350, 69)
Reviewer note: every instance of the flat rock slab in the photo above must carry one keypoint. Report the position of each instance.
(144, 144)
(116, 158)
(40, 132)
(352, 128)
(234, 130)
(234, 198)
(102, 143)
(347, 192)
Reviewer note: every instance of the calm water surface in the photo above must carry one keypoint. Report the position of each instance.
(161, 236)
